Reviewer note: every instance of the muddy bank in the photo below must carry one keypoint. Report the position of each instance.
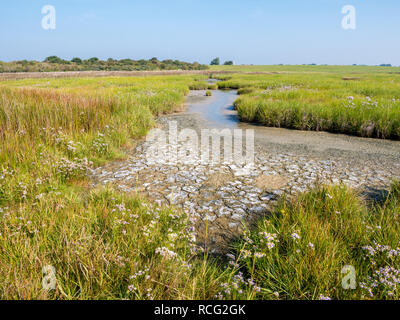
(222, 198)
(218, 112)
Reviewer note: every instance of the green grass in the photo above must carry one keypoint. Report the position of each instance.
(300, 250)
(367, 106)
(106, 244)
(202, 85)
(102, 244)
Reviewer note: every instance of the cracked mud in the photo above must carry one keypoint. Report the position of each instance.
(225, 197)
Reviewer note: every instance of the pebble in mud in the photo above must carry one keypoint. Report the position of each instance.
(239, 200)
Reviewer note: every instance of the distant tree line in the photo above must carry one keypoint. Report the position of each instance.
(54, 63)
(217, 62)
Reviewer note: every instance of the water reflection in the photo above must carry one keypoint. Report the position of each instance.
(218, 109)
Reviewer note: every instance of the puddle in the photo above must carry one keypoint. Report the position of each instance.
(217, 110)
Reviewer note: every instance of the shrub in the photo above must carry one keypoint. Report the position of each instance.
(215, 62)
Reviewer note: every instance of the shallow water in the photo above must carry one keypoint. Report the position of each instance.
(217, 110)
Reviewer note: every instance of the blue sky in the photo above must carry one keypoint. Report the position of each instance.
(246, 31)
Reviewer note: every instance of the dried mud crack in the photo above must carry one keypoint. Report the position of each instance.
(224, 198)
